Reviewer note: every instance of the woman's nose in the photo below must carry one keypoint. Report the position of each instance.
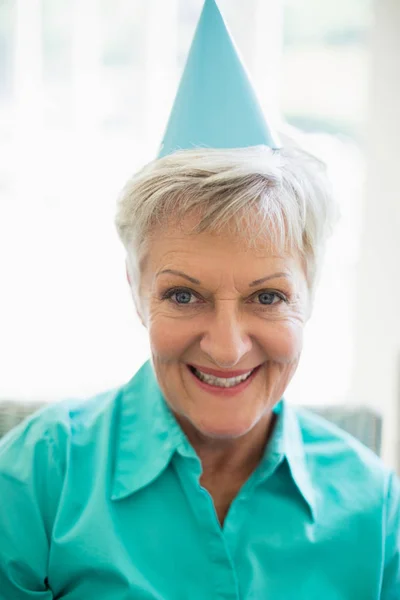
(226, 340)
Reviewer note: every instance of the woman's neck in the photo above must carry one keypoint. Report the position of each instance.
(234, 456)
(227, 464)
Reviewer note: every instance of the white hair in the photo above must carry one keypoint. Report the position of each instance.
(283, 195)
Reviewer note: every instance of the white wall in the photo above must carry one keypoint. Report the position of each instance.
(377, 332)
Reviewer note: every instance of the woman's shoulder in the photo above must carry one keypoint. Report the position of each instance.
(60, 423)
(331, 449)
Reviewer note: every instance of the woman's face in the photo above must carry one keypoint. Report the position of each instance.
(224, 321)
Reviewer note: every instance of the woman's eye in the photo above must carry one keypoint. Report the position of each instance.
(269, 298)
(181, 296)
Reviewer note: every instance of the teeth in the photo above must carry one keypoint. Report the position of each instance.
(222, 381)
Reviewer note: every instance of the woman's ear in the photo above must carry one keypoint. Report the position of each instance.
(128, 277)
(127, 273)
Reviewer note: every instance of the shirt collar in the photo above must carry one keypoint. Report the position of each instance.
(287, 442)
(148, 435)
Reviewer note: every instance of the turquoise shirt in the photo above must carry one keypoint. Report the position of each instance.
(100, 499)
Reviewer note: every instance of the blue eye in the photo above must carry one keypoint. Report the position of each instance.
(181, 293)
(269, 298)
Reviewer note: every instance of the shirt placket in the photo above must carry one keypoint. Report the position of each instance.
(225, 581)
(240, 509)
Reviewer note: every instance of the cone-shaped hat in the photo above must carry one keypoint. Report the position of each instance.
(215, 106)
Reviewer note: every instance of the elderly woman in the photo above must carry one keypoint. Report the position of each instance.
(196, 480)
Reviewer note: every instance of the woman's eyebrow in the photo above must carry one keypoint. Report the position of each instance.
(181, 274)
(198, 282)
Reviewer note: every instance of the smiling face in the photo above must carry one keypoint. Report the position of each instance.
(219, 317)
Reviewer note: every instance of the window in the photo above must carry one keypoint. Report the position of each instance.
(85, 92)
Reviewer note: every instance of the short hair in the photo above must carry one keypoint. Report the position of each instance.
(283, 194)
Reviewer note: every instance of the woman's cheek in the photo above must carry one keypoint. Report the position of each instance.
(167, 338)
(285, 342)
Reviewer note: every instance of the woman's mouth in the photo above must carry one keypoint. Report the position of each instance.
(220, 385)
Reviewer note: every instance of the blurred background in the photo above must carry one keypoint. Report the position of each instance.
(86, 87)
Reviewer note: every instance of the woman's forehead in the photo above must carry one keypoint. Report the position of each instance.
(220, 257)
(171, 241)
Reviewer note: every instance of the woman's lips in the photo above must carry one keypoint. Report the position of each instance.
(222, 391)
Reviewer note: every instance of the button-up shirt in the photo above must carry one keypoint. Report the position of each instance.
(101, 499)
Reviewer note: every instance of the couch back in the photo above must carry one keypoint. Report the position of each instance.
(362, 423)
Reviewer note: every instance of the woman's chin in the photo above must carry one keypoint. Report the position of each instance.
(222, 431)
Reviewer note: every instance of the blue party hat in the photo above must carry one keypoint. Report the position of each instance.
(215, 106)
